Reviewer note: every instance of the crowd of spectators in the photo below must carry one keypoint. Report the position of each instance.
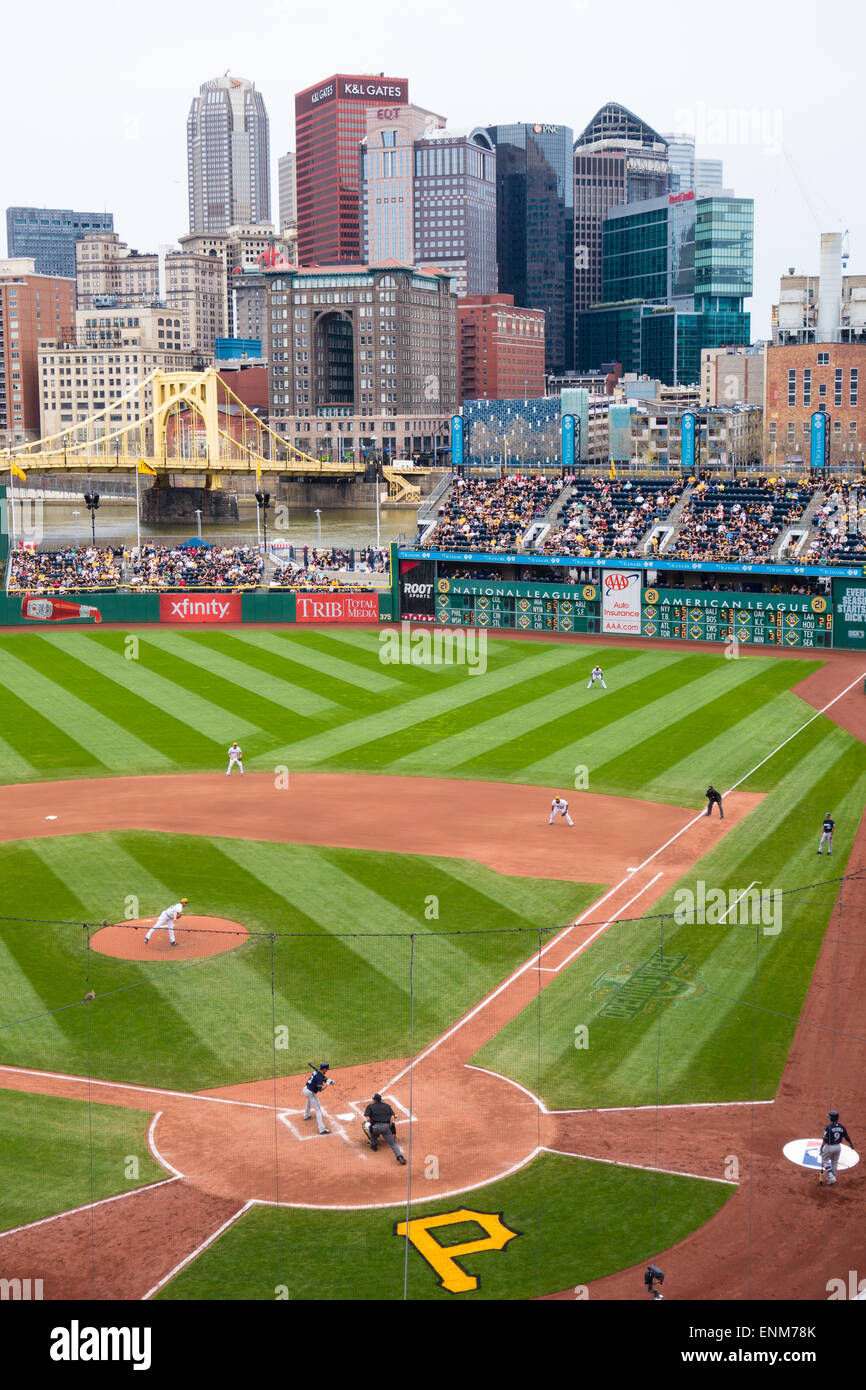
(727, 522)
(492, 514)
(609, 520)
(369, 559)
(223, 567)
(289, 576)
(59, 571)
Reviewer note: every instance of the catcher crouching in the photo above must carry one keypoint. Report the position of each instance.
(379, 1124)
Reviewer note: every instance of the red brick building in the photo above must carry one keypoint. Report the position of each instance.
(31, 307)
(804, 377)
(501, 349)
(330, 123)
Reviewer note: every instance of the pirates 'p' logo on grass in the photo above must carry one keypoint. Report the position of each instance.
(630, 990)
(443, 1258)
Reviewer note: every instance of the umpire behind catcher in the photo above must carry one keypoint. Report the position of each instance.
(380, 1125)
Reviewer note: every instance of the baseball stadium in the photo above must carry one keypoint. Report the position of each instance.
(359, 1011)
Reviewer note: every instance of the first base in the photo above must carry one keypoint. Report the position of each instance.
(806, 1153)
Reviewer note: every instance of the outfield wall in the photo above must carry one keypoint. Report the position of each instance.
(214, 607)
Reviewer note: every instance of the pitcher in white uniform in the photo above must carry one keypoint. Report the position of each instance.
(596, 675)
(235, 757)
(559, 807)
(166, 920)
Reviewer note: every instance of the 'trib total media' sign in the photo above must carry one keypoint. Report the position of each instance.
(337, 608)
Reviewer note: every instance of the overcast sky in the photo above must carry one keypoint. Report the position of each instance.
(95, 96)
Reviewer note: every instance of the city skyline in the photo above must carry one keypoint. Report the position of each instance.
(793, 162)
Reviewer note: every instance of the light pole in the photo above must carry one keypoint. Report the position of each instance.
(263, 500)
(75, 516)
(91, 502)
(198, 521)
(318, 528)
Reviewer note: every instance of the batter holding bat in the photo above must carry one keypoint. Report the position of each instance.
(316, 1083)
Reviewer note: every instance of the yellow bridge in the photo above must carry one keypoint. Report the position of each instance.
(187, 422)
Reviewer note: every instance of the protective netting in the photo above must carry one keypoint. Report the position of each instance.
(571, 1103)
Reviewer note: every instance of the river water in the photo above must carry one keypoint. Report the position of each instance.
(53, 524)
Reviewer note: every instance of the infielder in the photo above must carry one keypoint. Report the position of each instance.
(316, 1083)
(559, 807)
(379, 1124)
(831, 1146)
(166, 920)
(235, 757)
(596, 675)
(828, 828)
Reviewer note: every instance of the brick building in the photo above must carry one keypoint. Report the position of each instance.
(32, 307)
(501, 349)
(804, 377)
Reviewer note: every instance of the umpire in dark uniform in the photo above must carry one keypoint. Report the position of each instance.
(714, 798)
(380, 1125)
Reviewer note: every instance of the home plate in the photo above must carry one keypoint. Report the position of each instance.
(348, 1115)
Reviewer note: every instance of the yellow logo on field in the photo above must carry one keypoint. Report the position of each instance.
(443, 1258)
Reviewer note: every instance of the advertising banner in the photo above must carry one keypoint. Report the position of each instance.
(568, 443)
(621, 606)
(337, 608)
(818, 440)
(200, 608)
(849, 613)
(687, 451)
(417, 578)
(456, 441)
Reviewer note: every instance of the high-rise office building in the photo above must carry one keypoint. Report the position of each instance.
(228, 156)
(676, 272)
(428, 196)
(287, 191)
(618, 159)
(330, 123)
(386, 182)
(689, 171)
(48, 236)
(535, 227)
(501, 349)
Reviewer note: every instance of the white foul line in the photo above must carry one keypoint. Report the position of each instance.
(88, 1206)
(754, 883)
(198, 1250)
(554, 969)
(534, 958)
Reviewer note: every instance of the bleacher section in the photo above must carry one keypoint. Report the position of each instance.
(482, 514)
(737, 521)
(605, 519)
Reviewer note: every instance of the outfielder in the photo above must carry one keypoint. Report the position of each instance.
(316, 1083)
(831, 1146)
(596, 675)
(379, 1124)
(235, 757)
(166, 920)
(828, 827)
(559, 807)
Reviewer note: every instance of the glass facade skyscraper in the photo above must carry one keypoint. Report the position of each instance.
(49, 236)
(228, 157)
(676, 271)
(535, 228)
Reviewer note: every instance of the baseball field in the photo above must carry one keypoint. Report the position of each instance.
(588, 1069)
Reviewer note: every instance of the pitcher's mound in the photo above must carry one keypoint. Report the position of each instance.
(197, 937)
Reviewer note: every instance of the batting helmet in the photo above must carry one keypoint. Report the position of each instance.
(833, 1115)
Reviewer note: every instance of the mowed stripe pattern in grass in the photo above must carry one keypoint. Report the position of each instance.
(93, 703)
(343, 976)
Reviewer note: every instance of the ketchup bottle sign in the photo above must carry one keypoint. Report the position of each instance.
(57, 609)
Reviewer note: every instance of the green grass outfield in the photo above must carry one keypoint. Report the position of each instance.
(210, 1022)
(577, 1221)
(75, 706)
(58, 1154)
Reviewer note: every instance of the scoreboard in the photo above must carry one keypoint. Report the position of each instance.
(762, 620)
(527, 607)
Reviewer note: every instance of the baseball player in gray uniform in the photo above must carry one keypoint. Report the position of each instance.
(831, 1146)
(315, 1084)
